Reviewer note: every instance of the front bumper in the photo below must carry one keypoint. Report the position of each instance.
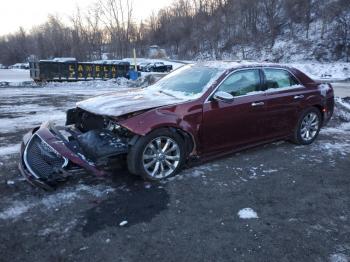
(48, 158)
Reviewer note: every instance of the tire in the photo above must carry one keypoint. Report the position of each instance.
(308, 127)
(161, 149)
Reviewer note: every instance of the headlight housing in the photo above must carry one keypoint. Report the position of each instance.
(113, 126)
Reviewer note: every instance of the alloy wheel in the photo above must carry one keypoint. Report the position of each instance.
(161, 157)
(309, 126)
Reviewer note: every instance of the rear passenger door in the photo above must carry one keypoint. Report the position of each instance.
(284, 98)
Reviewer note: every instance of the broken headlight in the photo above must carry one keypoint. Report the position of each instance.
(117, 129)
(113, 126)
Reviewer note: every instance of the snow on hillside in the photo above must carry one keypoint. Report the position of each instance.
(331, 71)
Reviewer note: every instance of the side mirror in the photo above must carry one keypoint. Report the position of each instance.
(223, 97)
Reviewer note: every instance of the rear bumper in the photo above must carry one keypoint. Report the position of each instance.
(47, 158)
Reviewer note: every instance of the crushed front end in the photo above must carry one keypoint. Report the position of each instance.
(88, 143)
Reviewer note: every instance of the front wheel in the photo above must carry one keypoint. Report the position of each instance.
(157, 156)
(308, 127)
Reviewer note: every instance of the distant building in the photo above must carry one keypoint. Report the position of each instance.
(155, 51)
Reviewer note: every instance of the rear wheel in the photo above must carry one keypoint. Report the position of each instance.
(157, 156)
(308, 127)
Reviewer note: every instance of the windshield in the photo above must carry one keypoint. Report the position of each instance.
(189, 80)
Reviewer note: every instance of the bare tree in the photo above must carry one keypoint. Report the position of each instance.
(117, 18)
(189, 29)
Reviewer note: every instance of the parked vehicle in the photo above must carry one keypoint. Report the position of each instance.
(19, 66)
(143, 67)
(154, 67)
(2, 66)
(160, 67)
(198, 112)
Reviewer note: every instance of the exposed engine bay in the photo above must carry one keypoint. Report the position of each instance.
(87, 142)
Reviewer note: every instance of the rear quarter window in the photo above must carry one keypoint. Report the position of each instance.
(279, 79)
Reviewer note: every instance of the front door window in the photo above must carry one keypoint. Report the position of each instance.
(241, 83)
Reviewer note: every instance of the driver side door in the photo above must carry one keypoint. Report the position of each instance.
(235, 124)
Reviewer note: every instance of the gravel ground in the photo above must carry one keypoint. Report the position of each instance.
(278, 202)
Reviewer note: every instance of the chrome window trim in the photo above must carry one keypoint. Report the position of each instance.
(252, 68)
(235, 71)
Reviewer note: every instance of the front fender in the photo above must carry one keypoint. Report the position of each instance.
(188, 120)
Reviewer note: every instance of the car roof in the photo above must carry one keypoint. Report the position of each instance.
(231, 65)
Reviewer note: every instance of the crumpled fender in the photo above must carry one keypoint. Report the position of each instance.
(168, 117)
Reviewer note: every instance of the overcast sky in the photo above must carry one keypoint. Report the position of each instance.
(26, 13)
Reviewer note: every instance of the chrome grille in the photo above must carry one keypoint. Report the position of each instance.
(41, 159)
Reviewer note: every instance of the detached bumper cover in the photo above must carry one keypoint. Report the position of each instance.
(47, 158)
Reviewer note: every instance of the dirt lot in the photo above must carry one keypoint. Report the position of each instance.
(300, 194)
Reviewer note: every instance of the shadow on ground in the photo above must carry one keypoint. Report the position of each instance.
(136, 202)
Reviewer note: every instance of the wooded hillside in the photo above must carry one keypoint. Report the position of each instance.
(278, 30)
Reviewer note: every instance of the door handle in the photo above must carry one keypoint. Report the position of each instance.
(258, 104)
(299, 97)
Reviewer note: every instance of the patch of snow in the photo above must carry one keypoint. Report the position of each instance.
(343, 128)
(126, 102)
(253, 172)
(273, 90)
(26, 107)
(29, 121)
(60, 227)
(16, 210)
(270, 171)
(10, 182)
(247, 213)
(324, 88)
(123, 223)
(148, 185)
(58, 199)
(197, 173)
(15, 75)
(339, 258)
(54, 201)
(64, 59)
(9, 150)
(343, 103)
(225, 65)
(330, 149)
(324, 71)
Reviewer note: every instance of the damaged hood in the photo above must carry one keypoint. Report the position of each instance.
(125, 102)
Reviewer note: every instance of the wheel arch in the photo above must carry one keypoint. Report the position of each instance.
(187, 136)
(320, 109)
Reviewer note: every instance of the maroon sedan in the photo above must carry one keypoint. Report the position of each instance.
(198, 112)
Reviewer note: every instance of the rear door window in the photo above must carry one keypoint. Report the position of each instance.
(241, 83)
(279, 79)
